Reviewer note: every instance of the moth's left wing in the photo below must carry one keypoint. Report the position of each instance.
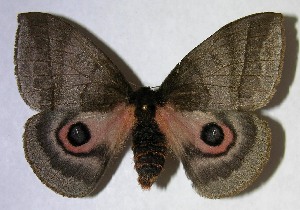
(85, 117)
(70, 151)
(222, 152)
(58, 67)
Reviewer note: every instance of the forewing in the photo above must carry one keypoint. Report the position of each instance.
(237, 68)
(221, 170)
(68, 169)
(58, 68)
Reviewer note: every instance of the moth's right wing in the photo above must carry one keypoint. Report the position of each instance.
(217, 168)
(208, 98)
(237, 68)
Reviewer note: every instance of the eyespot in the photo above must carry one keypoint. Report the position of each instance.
(215, 138)
(212, 134)
(78, 134)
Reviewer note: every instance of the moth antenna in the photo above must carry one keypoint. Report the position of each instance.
(155, 87)
(135, 86)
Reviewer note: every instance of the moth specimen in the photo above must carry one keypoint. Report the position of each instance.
(202, 112)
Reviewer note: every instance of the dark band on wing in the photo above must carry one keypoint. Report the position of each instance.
(223, 166)
(61, 170)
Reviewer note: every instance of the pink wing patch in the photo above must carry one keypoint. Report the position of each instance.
(188, 126)
(222, 169)
(105, 128)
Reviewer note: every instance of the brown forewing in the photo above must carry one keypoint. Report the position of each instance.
(237, 68)
(59, 68)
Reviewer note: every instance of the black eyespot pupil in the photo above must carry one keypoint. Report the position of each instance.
(212, 134)
(78, 134)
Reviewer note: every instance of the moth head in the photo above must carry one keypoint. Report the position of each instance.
(145, 100)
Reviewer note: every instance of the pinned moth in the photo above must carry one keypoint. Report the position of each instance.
(202, 112)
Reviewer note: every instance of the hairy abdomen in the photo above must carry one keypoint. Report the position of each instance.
(149, 149)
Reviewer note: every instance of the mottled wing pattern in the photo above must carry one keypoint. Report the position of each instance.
(57, 67)
(74, 171)
(207, 97)
(83, 98)
(237, 68)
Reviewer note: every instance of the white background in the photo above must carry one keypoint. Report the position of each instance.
(146, 39)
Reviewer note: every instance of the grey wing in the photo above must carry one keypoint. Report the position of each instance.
(57, 67)
(74, 170)
(217, 170)
(237, 68)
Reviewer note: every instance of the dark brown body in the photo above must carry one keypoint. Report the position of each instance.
(149, 144)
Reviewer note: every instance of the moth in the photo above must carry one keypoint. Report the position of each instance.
(202, 112)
